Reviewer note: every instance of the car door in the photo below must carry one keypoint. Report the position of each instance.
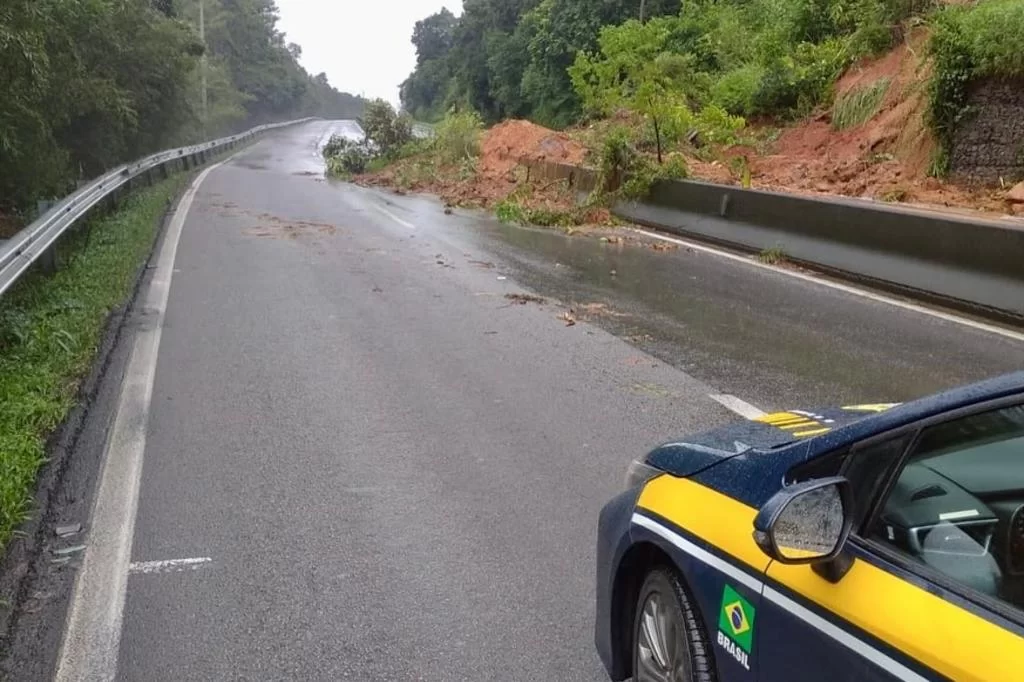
(935, 589)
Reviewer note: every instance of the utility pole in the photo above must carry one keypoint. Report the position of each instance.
(643, 10)
(202, 63)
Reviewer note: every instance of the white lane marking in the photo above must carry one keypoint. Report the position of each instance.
(168, 566)
(699, 553)
(879, 298)
(93, 630)
(846, 639)
(740, 407)
(391, 215)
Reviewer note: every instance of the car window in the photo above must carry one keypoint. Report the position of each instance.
(868, 467)
(957, 504)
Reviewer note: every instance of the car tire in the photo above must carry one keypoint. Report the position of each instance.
(669, 644)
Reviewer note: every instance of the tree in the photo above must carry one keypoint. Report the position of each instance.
(88, 84)
(433, 36)
(635, 71)
(385, 127)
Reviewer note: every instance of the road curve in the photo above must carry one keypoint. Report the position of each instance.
(380, 467)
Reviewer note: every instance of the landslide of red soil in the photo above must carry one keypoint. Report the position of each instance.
(886, 158)
(508, 142)
(495, 176)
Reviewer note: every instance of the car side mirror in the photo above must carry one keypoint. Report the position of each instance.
(806, 523)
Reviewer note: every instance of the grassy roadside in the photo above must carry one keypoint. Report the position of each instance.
(50, 331)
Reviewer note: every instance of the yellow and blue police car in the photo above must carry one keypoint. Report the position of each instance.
(855, 544)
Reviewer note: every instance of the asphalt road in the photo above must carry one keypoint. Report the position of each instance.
(395, 471)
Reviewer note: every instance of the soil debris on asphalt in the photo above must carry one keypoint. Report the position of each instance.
(523, 299)
(497, 174)
(600, 309)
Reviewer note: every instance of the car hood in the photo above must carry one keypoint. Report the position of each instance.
(695, 453)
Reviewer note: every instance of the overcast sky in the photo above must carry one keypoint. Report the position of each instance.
(362, 45)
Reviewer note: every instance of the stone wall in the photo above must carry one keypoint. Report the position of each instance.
(989, 143)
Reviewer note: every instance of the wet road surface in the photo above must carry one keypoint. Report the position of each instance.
(394, 471)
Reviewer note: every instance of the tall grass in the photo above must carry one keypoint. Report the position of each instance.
(50, 329)
(859, 105)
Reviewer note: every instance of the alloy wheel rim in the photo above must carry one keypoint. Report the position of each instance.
(661, 649)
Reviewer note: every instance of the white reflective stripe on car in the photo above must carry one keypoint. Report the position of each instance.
(820, 624)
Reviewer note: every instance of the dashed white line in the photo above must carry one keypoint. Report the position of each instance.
(92, 634)
(168, 566)
(948, 317)
(740, 407)
(391, 215)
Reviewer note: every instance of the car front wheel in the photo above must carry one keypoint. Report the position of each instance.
(668, 643)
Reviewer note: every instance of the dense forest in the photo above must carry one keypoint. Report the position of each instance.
(91, 83)
(509, 58)
(748, 56)
(700, 65)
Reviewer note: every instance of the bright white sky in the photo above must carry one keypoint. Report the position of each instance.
(363, 45)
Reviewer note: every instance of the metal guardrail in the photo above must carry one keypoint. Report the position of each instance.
(31, 244)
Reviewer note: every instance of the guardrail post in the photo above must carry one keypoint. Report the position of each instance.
(48, 258)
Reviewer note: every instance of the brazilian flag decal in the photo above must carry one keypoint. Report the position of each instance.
(736, 620)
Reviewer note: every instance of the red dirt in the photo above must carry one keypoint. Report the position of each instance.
(497, 172)
(887, 158)
(506, 143)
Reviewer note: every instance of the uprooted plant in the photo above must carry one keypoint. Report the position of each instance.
(345, 156)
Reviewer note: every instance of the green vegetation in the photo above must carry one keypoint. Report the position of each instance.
(694, 70)
(625, 173)
(509, 58)
(457, 137)
(386, 128)
(859, 105)
(50, 330)
(745, 57)
(772, 256)
(513, 210)
(456, 143)
(345, 157)
(971, 42)
(88, 84)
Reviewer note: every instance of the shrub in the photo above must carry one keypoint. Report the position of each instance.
(345, 157)
(716, 126)
(385, 127)
(509, 210)
(736, 91)
(336, 145)
(628, 174)
(458, 136)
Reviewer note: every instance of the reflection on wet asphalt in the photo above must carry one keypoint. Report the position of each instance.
(772, 339)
